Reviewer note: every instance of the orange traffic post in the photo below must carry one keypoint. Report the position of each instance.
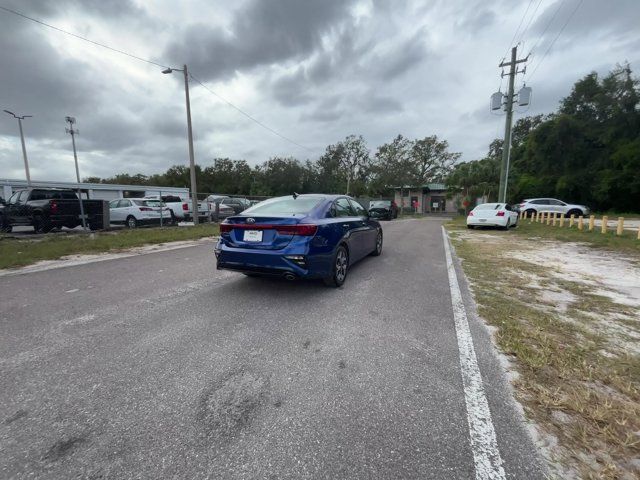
(620, 228)
(580, 222)
(605, 222)
(571, 218)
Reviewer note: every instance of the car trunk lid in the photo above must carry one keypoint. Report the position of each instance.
(264, 232)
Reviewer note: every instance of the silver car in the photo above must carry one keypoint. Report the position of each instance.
(552, 205)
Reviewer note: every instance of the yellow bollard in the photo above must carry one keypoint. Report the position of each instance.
(605, 222)
(592, 222)
(561, 220)
(548, 218)
(554, 219)
(571, 220)
(620, 228)
(580, 222)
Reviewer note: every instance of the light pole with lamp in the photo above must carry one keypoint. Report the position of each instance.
(71, 121)
(192, 163)
(24, 149)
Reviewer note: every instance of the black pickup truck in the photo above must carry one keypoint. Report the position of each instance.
(49, 208)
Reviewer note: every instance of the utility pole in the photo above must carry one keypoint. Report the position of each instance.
(506, 147)
(24, 149)
(73, 133)
(192, 162)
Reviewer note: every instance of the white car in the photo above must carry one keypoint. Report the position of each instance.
(137, 211)
(492, 215)
(535, 205)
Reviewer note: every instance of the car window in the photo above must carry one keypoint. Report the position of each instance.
(67, 195)
(113, 203)
(13, 198)
(359, 209)
(343, 208)
(541, 201)
(124, 203)
(39, 195)
(380, 203)
(488, 206)
(556, 202)
(24, 196)
(153, 203)
(285, 206)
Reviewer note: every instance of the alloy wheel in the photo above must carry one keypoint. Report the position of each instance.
(341, 265)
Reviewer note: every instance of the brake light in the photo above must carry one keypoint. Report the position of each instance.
(500, 214)
(145, 209)
(53, 206)
(185, 207)
(302, 229)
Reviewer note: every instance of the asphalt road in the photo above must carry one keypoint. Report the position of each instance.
(159, 366)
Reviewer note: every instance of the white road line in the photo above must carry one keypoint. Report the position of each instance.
(484, 445)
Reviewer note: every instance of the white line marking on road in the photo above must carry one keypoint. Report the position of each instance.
(482, 434)
(73, 290)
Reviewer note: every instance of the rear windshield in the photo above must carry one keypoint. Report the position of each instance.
(380, 203)
(488, 206)
(148, 203)
(285, 206)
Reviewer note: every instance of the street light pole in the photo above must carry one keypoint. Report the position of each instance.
(24, 149)
(192, 163)
(73, 132)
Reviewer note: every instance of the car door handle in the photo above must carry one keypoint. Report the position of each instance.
(346, 225)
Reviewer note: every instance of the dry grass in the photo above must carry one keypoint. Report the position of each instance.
(575, 380)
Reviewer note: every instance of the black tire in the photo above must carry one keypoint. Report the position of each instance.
(131, 222)
(174, 219)
(378, 249)
(507, 226)
(470, 227)
(340, 268)
(41, 224)
(575, 213)
(530, 213)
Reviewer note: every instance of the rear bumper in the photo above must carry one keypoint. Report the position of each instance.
(488, 222)
(271, 262)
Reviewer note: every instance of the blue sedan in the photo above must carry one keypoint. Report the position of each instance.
(299, 236)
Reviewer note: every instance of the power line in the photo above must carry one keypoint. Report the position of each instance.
(533, 15)
(249, 116)
(122, 52)
(151, 62)
(556, 38)
(555, 14)
(518, 29)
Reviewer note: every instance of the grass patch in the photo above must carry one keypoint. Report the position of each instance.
(627, 242)
(570, 383)
(19, 252)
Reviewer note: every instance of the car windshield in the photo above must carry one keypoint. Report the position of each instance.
(488, 206)
(380, 203)
(285, 206)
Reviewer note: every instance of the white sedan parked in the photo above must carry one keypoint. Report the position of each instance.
(136, 211)
(493, 215)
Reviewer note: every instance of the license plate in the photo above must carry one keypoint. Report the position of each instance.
(483, 219)
(252, 235)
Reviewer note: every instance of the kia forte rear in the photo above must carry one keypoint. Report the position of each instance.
(299, 236)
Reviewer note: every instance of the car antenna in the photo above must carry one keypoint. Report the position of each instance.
(295, 195)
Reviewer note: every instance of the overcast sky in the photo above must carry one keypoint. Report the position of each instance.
(313, 70)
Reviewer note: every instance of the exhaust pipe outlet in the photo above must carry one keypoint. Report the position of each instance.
(289, 276)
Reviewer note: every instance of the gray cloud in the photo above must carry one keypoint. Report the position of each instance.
(262, 33)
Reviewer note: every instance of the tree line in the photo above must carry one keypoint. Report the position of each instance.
(348, 166)
(588, 152)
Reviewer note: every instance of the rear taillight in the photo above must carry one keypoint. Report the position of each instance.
(145, 209)
(500, 214)
(53, 206)
(185, 207)
(302, 229)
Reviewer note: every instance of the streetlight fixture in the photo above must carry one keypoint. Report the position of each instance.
(71, 121)
(24, 149)
(192, 163)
